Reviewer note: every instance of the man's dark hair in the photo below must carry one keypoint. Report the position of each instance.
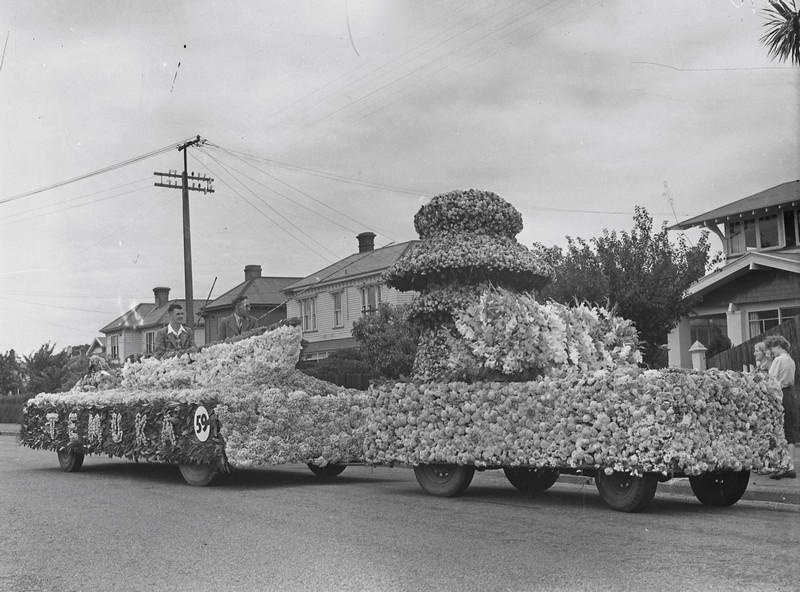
(174, 306)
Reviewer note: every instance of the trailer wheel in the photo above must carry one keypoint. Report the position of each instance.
(199, 475)
(328, 471)
(625, 492)
(720, 489)
(444, 480)
(531, 480)
(70, 460)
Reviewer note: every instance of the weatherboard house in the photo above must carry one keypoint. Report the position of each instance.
(330, 300)
(134, 333)
(759, 285)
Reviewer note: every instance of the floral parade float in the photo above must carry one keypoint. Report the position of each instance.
(501, 381)
(541, 389)
(235, 404)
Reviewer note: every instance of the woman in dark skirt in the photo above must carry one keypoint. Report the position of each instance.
(782, 369)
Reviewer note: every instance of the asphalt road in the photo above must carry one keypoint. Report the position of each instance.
(121, 526)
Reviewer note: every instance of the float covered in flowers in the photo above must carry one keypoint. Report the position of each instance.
(258, 410)
(501, 379)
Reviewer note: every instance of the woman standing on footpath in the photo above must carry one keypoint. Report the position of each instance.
(763, 357)
(782, 369)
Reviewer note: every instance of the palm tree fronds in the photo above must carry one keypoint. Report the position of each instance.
(782, 38)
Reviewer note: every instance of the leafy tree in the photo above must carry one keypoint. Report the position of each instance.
(387, 340)
(77, 365)
(640, 273)
(782, 38)
(11, 373)
(46, 371)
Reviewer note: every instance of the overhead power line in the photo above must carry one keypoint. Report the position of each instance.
(318, 201)
(423, 50)
(30, 215)
(308, 239)
(106, 169)
(323, 174)
(469, 45)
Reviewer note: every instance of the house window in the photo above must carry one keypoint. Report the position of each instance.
(762, 320)
(761, 233)
(150, 342)
(790, 228)
(706, 328)
(337, 310)
(742, 236)
(114, 347)
(768, 232)
(787, 313)
(308, 312)
(370, 299)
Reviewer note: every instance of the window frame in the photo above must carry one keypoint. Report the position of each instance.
(366, 307)
(760, 322)
(308, 314)
(149, 342)
(114, 346)
(755, 220)
(338, 316)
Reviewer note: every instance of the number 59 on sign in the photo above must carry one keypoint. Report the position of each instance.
(202, 424)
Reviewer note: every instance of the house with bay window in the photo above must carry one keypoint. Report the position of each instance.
(758, 287)
(330, 300)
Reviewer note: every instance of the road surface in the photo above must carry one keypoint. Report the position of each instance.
(120, 526)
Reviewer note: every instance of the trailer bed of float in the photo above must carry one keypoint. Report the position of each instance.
(243, 405)
(628, 428)
(231, 405)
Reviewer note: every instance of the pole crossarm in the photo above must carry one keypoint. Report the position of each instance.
(174, 180)
(199, 183)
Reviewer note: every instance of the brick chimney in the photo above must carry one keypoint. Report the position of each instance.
(252, 272)
(366, 242)
(162, 296)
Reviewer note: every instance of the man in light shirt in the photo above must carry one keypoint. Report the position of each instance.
(175, 338)
(782, 369)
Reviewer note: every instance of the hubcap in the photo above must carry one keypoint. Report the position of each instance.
(622, 482)
(441, 473)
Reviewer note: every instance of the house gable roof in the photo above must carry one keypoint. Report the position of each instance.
(146, 315)
(262, 290)
(352, 266)
(780, 260)
(785, 194)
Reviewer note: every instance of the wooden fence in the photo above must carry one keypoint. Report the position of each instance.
(736, 357)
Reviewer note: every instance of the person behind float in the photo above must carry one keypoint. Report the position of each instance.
(782, 369)
(762, 356)
(239, 322)
(175, 338)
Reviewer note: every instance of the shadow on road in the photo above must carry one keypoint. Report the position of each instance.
(238, 479)
(562, 497)
(264, 478)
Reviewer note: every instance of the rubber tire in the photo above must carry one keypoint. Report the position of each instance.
(531, 480)
(720, 489)
(199, 475)
(444, 480)
(328, 471)
(625, 493)
(70, 460)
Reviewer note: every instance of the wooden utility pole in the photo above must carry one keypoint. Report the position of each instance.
(199, 183)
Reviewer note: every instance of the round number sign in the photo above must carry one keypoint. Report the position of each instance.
(202, 425)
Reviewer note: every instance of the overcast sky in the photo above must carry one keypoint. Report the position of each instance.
(574, 112)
